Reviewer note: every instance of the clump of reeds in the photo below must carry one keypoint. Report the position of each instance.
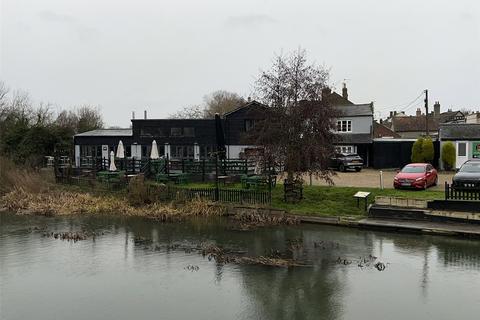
(202, 207)
(256, 218)
(13, 177)
(58, 202)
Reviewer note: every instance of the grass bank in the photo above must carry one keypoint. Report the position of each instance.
(339, 201)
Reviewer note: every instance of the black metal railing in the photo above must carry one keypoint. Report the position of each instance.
(240, 196)
(468, 194)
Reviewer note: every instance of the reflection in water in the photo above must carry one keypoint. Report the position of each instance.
(117, 278)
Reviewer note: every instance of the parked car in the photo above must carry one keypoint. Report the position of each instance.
(344, 161)
(468, 176)
(416, 175)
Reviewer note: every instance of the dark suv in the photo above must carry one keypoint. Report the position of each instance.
(468, 176)
(344, 161)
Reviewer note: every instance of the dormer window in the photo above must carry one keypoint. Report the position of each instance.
(344, 126)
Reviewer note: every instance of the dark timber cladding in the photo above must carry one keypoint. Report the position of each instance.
(174, 131)
(241, 120)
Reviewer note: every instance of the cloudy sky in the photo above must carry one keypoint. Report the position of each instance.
(162, 55)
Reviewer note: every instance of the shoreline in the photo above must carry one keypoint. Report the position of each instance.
(20, 202)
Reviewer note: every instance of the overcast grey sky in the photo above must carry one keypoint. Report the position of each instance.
(162, 55)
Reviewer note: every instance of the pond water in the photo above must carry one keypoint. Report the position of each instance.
(112, 276)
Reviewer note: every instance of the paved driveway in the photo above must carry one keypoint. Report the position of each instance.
(371, 178)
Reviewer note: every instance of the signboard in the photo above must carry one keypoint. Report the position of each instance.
(476, 150)
(361, 194)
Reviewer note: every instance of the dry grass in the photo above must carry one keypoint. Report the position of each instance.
(56, 202)
(15, 177)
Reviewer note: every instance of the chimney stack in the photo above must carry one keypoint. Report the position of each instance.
(436, 109)
(145, 114)
(133, 115)
(419, 112)
(391, 114)
(345, 91)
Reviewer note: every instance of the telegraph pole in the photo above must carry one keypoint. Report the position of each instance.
(426, 112)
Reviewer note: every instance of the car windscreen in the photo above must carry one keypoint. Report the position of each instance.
(470, 167)
(413, 169)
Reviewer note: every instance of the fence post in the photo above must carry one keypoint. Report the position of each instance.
(270, 187)
(183, 165)
(216, 178)
(167, 164)
(446, 190)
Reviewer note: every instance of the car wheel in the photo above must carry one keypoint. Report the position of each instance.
(436, 181)
(341, 168)
(358, 169)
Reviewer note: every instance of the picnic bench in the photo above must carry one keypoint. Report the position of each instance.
(258, 181)
(177, 178)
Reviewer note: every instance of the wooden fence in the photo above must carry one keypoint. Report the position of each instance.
(461, 194)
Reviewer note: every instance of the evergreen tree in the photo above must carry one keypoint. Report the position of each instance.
(417, 151)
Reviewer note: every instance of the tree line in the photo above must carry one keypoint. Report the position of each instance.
(28, 132)
(297, 130)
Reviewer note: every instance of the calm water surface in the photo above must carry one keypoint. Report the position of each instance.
(112, 277)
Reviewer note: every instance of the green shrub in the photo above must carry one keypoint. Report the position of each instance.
(448, 155)
(427, 150)
(417, 151)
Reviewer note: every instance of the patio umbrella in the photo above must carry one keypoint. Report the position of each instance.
(112, 162)
(120, 150)
(220, 137)
(154, 152)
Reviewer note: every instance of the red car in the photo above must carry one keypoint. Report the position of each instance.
(416, 175)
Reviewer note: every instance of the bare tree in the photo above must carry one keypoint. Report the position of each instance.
(221, 102)
(193, 112)
(298, 128)
(89, 118)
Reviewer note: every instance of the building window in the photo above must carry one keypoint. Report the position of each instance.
(146, 151)
(206, 151)
(462, 149)
(182, 152)
(344, 126)
(152, 132)
(249, 125)
(189, 132)
(175, 132)
(128, 151)
(345, 149)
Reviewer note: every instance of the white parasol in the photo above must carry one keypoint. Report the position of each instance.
(154, 152)
(112, 162)
(120, 150)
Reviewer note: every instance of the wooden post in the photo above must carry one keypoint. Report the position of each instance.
(446, 190)
(203, 170)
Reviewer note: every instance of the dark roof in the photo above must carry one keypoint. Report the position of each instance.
(355, 110)
(354, 138)
(337, 100)
(106, 133)
(459, 131)
(252, 103)
(380, 131)
(413, 124)
(450, 116)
